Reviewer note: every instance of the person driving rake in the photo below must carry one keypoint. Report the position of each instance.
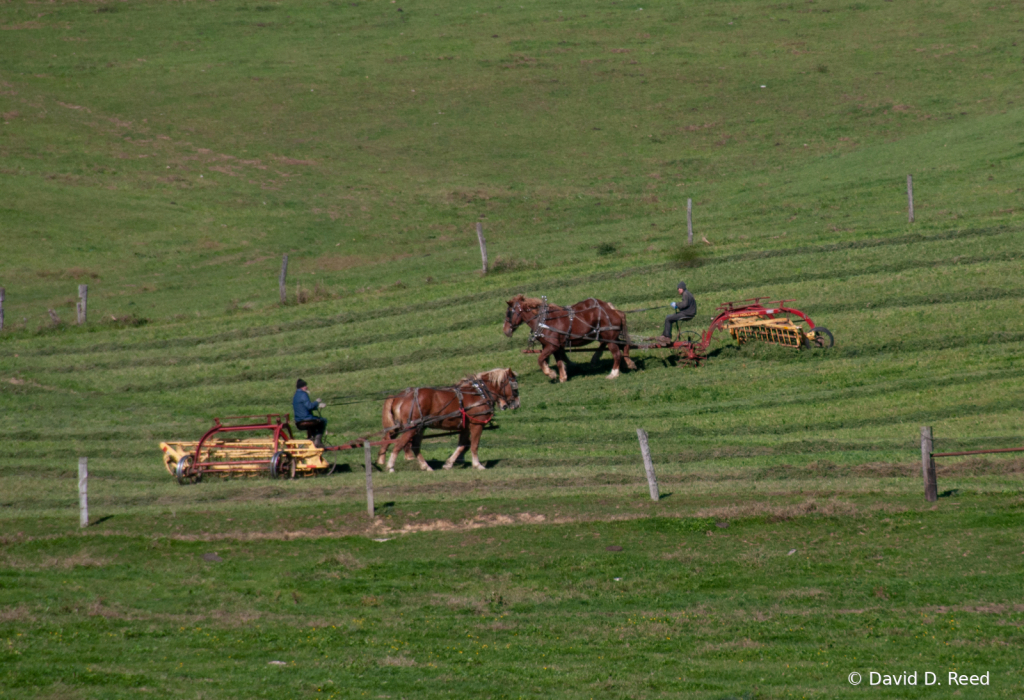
(685, 310)
(315, 426)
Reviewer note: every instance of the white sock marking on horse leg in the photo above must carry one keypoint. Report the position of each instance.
(455, 456)
(614, 374)
(391, 460)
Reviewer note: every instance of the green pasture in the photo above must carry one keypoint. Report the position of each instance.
(169, 154)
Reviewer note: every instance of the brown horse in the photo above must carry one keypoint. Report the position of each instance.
(466, 407)
(559, 327)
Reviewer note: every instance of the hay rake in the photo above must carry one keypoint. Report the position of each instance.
(232, 448)
(757, 319)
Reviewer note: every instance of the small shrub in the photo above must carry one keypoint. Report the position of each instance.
(506, 264)
(317, 293)
(688, 256)
(606, 249)
(129, 321)
(822, 68)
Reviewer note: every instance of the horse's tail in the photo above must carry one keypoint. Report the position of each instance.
(387, 420)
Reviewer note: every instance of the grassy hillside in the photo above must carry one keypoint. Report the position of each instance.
(168, 155)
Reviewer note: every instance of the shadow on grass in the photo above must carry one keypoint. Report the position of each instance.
(104, 519)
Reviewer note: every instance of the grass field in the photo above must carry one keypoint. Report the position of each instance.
(168, 155)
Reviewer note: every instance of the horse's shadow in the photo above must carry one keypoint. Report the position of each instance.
(438, 464)
(604, 366)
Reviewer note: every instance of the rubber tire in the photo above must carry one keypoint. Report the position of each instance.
(276, 464)
(181, 472)
(821, 330)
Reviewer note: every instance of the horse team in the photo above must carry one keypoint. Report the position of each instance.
(466, 407)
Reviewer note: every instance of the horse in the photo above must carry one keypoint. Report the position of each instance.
(559, 327)
(466, 407)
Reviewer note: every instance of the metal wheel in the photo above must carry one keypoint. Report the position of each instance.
(184, 473)
(823, 337)
(282, 466)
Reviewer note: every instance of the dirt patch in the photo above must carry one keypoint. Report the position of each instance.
(335, 263)
(474, 523)
(17, 613)
(987, 608)
(68, 274)
(397, 661)
(745, 643)
(783, 512)
(81, 559)
(294, 161)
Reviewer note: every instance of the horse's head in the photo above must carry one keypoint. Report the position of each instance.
(513, 315)
(520, 310)
(505, 386)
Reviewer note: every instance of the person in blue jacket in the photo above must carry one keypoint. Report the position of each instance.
(303, 406)
(685, 309)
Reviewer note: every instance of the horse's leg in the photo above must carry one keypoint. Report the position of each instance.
(413, 448)
(382, 455)
(625, 356)
(616, 355)
(416, 442)
(463, 444)
(597, 355)
(561, 358)
(398, 446)
(543, 361)
(475, 431)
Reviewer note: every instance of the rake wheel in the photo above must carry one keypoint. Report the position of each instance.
(184, 473)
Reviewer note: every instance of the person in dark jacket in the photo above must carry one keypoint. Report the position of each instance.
(303, 406)
(685, 309)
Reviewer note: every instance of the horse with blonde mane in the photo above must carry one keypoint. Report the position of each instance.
(561, 327)
(464, 408)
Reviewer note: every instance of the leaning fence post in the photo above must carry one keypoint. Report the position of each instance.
(280, 282)
(83, 296)
(931, 487)
(483, 244)
(83, 496)
(645, 451)
(369, 478)
(689, 222)
(3, 292)
(910, 198)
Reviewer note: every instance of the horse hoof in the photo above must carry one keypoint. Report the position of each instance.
(391, 471)
(614, 374)
(446, 466)
(479, 466)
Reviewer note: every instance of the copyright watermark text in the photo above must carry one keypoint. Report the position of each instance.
(927, 678)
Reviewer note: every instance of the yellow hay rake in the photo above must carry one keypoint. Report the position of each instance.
(220, 452)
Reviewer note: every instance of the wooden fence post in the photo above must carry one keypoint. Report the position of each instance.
(483, 244)
(689, 222)
(3, 293)
(281, 281)
(645, 451)
(83, 297)
(910, 197)
(931, 487)
(83, 495)
(369, 478)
